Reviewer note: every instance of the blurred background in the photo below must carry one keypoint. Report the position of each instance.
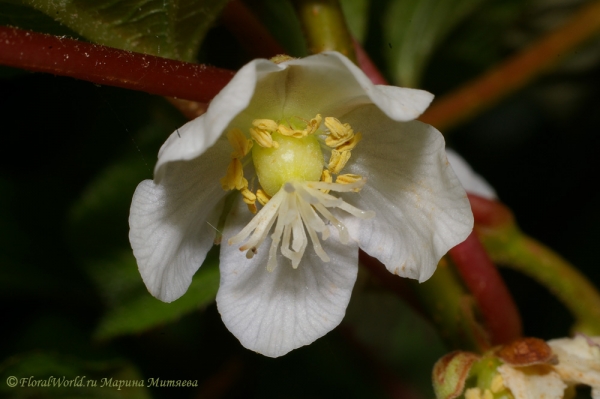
(72, 301)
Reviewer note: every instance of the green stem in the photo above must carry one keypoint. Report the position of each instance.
(452, 309)
(325, 27)
(508, 246)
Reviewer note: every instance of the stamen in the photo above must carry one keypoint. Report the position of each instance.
(265, 124)
(241, 145)
(326, 177)
(262, 197)
(234, 177)
(291, 132)
(263, 138)
(350, 144)
(311, 127)
(249, 198)
(338, 133)
(349, 179)
(260, 224)
(338, 160)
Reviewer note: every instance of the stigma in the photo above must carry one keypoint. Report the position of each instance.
(298, 208)
(295, 184)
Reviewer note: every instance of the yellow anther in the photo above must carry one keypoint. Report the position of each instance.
(487, 394)
(338, 160)
(279, 58)
(263, 138)
(338, 133)
(249, 198)
(265, 124)
(313, 125)
(262, 197)
(326, 177)
(241, 145)
(349, 179)
(497, 383)
(350, 144)
(473, 393)
(234, 177)
(291, 132)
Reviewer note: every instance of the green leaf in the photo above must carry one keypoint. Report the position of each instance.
(357, 17)
(144, 311)
(52, 376)
(280, 19)
(26, 18)
(172, 29)
(412, 30)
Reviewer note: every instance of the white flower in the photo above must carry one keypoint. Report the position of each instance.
(281, 133)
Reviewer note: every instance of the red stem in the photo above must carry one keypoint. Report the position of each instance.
(105, 65)
(485, 283)
(366, 64)
(489, 213)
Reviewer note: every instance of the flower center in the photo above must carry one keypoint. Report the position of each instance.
(295, 159)
(288, 160)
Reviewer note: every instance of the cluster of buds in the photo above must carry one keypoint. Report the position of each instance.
(525, 368)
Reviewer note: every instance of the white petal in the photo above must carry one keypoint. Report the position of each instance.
(275, 312)
(170, 223)
(532, 383)
(421, 208)
(329, 84)
(470, 180)
(578, 360)
(196, 136)
(335, 82)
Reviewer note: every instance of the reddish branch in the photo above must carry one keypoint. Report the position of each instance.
(485, 283)
(109, 66)
(516, 72)
(490, 213)
(367, 65)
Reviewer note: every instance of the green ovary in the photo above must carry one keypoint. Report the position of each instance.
(294, 160)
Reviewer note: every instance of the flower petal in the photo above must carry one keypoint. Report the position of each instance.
(532, 382)
(470, 180)
(170, 223)
(335, 83)
(275, 312)
(421, 208)
(578, 360)
(328, 84)
(196, 136)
